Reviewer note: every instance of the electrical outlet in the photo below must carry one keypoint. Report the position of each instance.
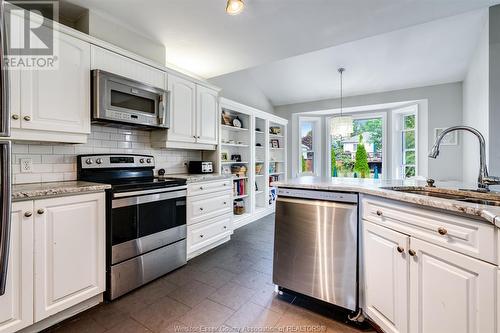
(26, 165)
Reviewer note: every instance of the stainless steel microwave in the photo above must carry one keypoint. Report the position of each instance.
(125, 102)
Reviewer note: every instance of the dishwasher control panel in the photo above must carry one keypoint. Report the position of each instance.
(318, 195)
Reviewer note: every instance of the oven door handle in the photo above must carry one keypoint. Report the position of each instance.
(142, 192)
(142, 199)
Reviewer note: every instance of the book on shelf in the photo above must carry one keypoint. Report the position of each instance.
(239, 187)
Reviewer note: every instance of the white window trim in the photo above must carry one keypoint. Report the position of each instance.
(397, 141)
(385, 160)
(317, 146)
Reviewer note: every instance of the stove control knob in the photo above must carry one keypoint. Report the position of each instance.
(148, 160)
(89, 161)
(141, 160)
(99, 161)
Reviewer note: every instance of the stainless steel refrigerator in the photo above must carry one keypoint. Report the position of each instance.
(5, 156)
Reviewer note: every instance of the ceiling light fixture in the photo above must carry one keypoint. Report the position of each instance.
(341, 126)
(234, 7)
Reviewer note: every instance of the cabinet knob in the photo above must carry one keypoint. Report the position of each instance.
(400, 249)
(201, 236)
(41, 211)
(15, 116)
(225, 227)
(27, 118)
(225, 202)
(28, 214)
(442, 231)
(201, 208)
(412, 252)
(201, 187)
(379, 212)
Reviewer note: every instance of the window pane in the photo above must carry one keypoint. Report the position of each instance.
(409, 140)
(306, 136)
(409, 158)
(409, 171)
(409, 121)
(307, 161)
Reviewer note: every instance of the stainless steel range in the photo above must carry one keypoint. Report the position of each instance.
(145, 219)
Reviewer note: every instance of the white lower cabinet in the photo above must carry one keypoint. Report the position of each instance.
(209, 215)
(69, 252)
(412, 285)
(16, 305)
(56, 258)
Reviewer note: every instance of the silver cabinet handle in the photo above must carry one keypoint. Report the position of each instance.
(6, 210)
(27, 118)
(40, 211)
(28, 214)
(15, 116)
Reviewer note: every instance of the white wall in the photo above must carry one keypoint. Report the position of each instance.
(444, 103)
(104, 27)
(240, 87)
(476, 106)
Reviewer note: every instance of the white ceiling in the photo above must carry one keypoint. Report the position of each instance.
(427, 54)
(202, 39)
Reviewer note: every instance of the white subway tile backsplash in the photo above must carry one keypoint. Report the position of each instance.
(57, 162)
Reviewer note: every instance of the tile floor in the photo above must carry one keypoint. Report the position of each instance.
(227, 289)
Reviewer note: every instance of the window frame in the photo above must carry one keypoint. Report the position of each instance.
(399, 135)
(316, 146)
(356, 116)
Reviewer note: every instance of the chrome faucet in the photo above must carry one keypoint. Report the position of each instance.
(484, 180)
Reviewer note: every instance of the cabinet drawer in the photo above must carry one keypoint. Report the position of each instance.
(203, 234)
(464, 235)
(209, 187)
(206, 207)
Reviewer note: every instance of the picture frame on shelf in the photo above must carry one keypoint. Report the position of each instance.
(226, 170)
(236, 157)
(275, 143)
(224, 156)
(275, 130)
(226, 118)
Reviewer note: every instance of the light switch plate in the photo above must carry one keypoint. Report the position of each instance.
(26, 165)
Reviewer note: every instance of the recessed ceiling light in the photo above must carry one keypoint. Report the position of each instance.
(234, 7)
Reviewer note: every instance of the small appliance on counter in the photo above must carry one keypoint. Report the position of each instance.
(200, 167)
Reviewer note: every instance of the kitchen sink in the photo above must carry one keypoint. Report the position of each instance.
(459, 195)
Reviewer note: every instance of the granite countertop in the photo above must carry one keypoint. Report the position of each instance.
(378, 188)
(203, 177)
(52, 189)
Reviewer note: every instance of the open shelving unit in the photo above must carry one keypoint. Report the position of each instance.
(252, 142)
(277, 157)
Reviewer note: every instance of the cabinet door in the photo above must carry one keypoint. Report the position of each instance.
(59, 99)
(16, 305)
(450, 292)
(207, 115)
(182, 109)
(69, 252)
(386, 277)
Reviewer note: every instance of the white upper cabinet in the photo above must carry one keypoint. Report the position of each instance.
(182, 110)
(69, 252)
(450, 292)
(207, 115)
(386, 277)
(52, 104)
(120, 65)
(16, 305)
(193, 116)
(59, 100)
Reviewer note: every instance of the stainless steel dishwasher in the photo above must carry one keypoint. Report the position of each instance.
(316, 245)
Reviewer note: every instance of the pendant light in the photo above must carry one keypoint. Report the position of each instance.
(341, 126)
(234, 7)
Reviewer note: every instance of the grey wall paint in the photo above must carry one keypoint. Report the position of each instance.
(444, 110)
(240, 87)
(476, 106)
(102, 27)
(494, 98)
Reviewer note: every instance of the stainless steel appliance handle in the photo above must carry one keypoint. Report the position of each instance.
(318, 203)
(164, 114)
(142, 192)
(132, 201)
(5, 175)
(4, 77)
